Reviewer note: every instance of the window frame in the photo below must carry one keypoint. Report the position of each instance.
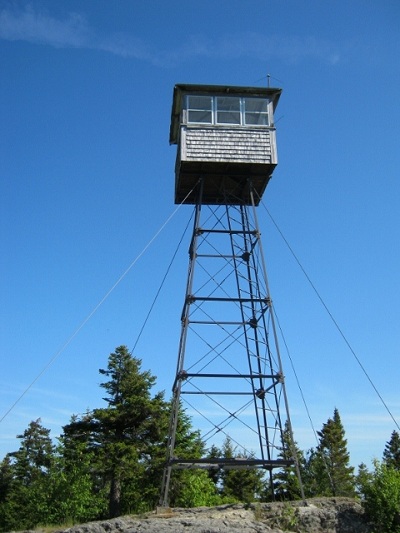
(199, 109)
(242, 111)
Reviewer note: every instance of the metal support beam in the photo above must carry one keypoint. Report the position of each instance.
(228, 339)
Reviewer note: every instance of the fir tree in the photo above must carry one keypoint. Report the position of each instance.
(391, 454)
(6, 479)
(25, 481)
(286, 481)
(332, 454)
(316, 477)
(122, 435)
(214, 473)
(236, 484)
(130, 423)
(186, 486)
(363, 478)
(77, 489)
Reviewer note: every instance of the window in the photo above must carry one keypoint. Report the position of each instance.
(256, 111)
(200, 109)
(235, 110)
(228, 110)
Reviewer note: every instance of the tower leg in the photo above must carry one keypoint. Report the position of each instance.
(229, 374)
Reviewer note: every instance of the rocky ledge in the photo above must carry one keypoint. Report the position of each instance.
(319, 515)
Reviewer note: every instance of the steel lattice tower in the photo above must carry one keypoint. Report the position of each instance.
(229, 374)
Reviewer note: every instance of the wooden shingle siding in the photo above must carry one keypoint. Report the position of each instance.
(230, 145)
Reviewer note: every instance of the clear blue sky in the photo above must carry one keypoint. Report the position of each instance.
(87, 178)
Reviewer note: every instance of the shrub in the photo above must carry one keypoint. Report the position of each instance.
(381, 492)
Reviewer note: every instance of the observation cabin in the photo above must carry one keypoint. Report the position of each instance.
(226, 141)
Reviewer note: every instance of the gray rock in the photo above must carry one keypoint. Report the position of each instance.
(320, 515)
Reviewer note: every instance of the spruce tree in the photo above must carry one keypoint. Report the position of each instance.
(131, 422)
(79, 495)
(123, 434)
(126, 441)
(391, 454)
(26, 476)
(243, 485)
(191, 487)
(7, 520)
(214, 473)
(332, 454)
(363, 478)
(286, 481)
(316, 478)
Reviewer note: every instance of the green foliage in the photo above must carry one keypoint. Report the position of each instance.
(188, 444)
(391, 454)
(25, 478)
(243, 485)
(289, 520)
(34, 458)
(381, 500)
(332, 460)
(73, 486)
(110, 461)
(197, 490)
(286, 481)
(363, 477)
(122, 436)
(6, 477)
(316, 479)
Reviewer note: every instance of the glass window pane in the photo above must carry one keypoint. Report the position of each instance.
(228, 110)
(259, 119)
(199, 109)
(228, 103)
(256, 111)
(228, 117)
(256, 104)
(199, 102)
(204, 117)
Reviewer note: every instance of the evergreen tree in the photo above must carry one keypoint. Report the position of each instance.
(35, 455)
(214, 474)
(242, 485)
(381, 498)
(332, 454)
(363, 478)
(316, 477)
(108, 461)
(189, 488)
(25, 476)
(130, 424)
(6, 479)
(121, 436)
(286, 481)
(391, 454)
(76, 487)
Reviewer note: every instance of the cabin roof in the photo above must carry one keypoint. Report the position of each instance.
(181, 89)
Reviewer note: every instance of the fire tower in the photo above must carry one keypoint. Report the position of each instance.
(229, 374)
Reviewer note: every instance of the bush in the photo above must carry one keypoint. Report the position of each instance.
(381, 498)
(197, 490)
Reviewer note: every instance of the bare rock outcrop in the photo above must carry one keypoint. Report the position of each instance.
(320, 515)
